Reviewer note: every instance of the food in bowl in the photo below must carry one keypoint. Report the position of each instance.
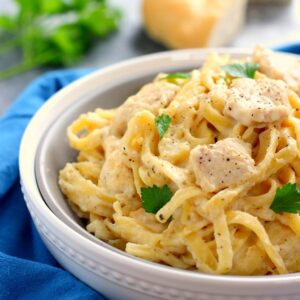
(197, 170)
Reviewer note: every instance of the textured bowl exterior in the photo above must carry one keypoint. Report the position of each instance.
(112, 273)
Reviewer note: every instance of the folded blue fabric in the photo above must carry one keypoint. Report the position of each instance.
(291, 48)
(27, 269)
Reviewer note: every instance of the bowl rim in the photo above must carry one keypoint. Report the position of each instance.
(27, 166)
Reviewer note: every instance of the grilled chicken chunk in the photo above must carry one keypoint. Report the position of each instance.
(276, 66)
(151, 97)
(159, 93)
(253, 102)
(115, 176)
(224, 164)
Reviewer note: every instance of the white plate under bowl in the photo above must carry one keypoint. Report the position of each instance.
(44, 150)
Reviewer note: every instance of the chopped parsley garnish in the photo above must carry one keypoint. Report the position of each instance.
(178, 75)
(154, 198)
(287, 199)
(53, 32)
(239, 71)
(162, 124)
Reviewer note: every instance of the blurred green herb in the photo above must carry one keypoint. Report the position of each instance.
(162, 124)
(54, 32)
(239, 71)
(178, 75)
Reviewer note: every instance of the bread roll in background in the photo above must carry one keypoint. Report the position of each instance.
(193, 23)
(270, 1)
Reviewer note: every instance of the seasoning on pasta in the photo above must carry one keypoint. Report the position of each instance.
(198, 170)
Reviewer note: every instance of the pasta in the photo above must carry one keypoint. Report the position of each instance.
(223, 157)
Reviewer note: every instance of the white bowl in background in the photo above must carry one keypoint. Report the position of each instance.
(112, 272)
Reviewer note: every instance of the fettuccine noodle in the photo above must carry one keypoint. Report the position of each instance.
(231, 230)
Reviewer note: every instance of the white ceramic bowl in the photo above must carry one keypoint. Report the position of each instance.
(108, 270)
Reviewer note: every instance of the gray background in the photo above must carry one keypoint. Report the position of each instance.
(271, 25)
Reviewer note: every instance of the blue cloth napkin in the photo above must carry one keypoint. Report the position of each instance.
(291, 48)
(27, 269)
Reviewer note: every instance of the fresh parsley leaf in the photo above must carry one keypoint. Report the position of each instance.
(154, 198)
(239, 71)
(52, 7)
(62, 39)
(100, 20)
(178, 75)
(162, 124)
(7, 23)
(287, 199)
(54, 32)
(251, 69)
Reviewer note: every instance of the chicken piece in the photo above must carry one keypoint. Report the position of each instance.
(224, 164)
(277, 66)
(124, 114)
(159, 93)
(254, 102)
(152, 97)
(115, 176)
(110, 143)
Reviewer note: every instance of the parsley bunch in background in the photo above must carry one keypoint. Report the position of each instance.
(54, 32)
